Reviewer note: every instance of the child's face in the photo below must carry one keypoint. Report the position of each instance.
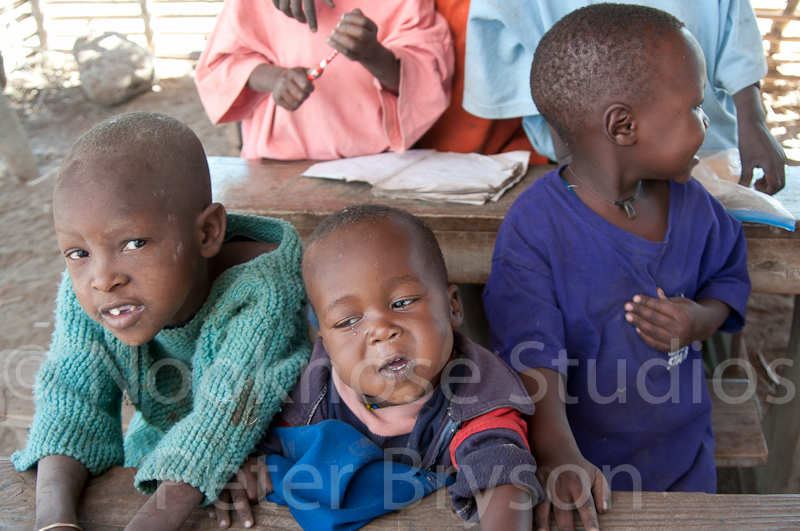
(386, 317)
(133, 263)
(672, 124)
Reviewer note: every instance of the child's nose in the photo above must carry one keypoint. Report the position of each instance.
(706, 121)
(106, 277)
(383, 329)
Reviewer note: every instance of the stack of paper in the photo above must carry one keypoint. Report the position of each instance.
(431, 175)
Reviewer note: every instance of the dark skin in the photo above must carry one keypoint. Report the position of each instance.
(626, 143)
(116, 268)
(355, 37)
(757, 147)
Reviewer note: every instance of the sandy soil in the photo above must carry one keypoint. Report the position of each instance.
(55, 112)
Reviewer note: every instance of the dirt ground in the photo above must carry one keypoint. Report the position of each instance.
(54, 113)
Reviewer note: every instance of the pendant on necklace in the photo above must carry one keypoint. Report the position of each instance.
(628, 207)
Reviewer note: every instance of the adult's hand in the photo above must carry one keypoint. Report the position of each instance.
(303, 11)
(757, 147)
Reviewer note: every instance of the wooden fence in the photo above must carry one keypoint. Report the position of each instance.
(176, 29)
(171, 29)
(782, 50)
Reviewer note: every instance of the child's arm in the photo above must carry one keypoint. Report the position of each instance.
(290, 87)
(757, 146)
(576, 480)
(506, 508)
(356, 37)
(668, 324)
(59, 481)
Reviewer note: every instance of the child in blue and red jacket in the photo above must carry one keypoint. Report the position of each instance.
(389, 363)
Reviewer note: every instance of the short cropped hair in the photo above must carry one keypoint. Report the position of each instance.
(165, 146)
(421, 234)
(594, 53)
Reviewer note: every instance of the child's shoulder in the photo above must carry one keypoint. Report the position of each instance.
(480, 381)
(538, 213)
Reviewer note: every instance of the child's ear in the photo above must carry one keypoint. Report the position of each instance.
(212, 223)
(456, 308)
(620, 127)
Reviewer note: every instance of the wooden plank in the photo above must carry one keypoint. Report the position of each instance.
(110, 500)
(782, 424)
(12, 6)
(780, 38)
(737, 424)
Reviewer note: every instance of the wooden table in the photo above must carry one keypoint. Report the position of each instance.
(467, 235)
(109, 501)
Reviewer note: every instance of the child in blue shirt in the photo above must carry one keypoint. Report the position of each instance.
(196, 316)
(608, 272)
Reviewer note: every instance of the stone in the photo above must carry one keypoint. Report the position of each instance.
(112, 68)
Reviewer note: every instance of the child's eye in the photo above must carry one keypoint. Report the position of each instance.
(346, 323)
(133, 245)
(77, 254)
(402, 303)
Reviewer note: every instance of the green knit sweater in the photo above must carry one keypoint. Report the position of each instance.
(212, 386)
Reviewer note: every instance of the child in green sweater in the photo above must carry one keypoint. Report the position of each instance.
(197, 316)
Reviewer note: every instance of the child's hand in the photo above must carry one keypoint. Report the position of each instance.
(356, 37)
(292, 88)
(668, 324)
(301, 10)
(578, 484)
(251, 484)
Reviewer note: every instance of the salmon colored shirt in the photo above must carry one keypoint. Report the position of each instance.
(349, 113)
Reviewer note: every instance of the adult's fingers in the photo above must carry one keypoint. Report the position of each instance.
(747, 173)
(774, 178)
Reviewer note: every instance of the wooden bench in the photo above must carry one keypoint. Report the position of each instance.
(109, 501)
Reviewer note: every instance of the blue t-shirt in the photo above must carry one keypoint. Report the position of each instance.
(502, 36)
(560, 277)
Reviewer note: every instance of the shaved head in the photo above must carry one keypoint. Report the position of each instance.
(138, 156)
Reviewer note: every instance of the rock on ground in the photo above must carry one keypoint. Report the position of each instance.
(112, 68)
